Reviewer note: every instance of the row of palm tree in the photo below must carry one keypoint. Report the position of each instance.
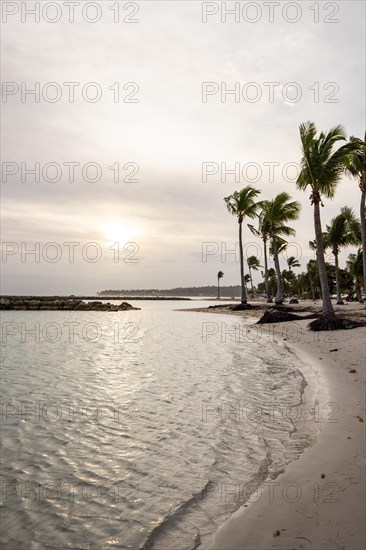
(307, 284)
(273, 216)
(344, 230)
(322, 165)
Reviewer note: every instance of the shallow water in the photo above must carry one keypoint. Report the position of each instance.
(140, 429)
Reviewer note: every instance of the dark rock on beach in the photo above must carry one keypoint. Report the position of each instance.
(334, 323)
(244, 307)
(235, 307)
(280, 315)
(44, 304)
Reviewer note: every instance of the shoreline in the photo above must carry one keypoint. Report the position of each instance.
(43, 298)
(318, 502)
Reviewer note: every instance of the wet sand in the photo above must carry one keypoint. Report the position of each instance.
(319, 501)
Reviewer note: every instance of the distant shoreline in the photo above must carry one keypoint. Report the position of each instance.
(74, 297)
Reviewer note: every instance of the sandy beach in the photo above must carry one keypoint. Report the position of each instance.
(319, 501)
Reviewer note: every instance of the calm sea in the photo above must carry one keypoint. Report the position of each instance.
(141, 429)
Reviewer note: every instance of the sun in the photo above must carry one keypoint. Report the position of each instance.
(120, 231)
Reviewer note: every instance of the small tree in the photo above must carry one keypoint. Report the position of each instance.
(219, 276)
(253, 263)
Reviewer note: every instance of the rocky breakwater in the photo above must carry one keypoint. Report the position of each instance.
(47, 304)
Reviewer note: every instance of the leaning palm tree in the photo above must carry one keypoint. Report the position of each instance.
(278, 212)
(219, 276)
(321, 169)
(242, 205)
(263, 232)
(356, 167)
(341, 232)
(253, 263)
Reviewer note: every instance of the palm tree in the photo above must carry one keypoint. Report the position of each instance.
(278, 212)
(219, 276)
(341, 232)
(356, 167)
(253, 263)
(313, 276)
(246, 280)
(321, 169)
(272, 280)
(242, 205)
(312, 245)
(292, 262)
(355, 266)
(354, 225)
(263, 232)
(289, 279)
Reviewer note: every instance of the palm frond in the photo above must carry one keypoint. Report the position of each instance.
(321, 164)
(242, 203)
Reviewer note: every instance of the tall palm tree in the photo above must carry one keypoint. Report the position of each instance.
(263, 232)
(219, 276)
(356, 167)
(278, 212)
(321, 169)
(253, 263)
(242, 205)
(341, 232)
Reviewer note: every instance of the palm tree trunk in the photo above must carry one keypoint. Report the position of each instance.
(244, 299)
(359, 294)
(218, 288)
(269, 298)
(312, 291)
(251, 281)
(338, 286)
(327, 303)
(279, 293)
(363, 232)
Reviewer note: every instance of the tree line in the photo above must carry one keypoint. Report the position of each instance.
(322, 166)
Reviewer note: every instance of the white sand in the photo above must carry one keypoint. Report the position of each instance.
(330, 511)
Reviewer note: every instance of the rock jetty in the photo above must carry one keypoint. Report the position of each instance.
(67, 304)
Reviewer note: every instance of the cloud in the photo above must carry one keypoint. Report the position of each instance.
(168, 134)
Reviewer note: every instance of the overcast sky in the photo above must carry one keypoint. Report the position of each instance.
(162, 133)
